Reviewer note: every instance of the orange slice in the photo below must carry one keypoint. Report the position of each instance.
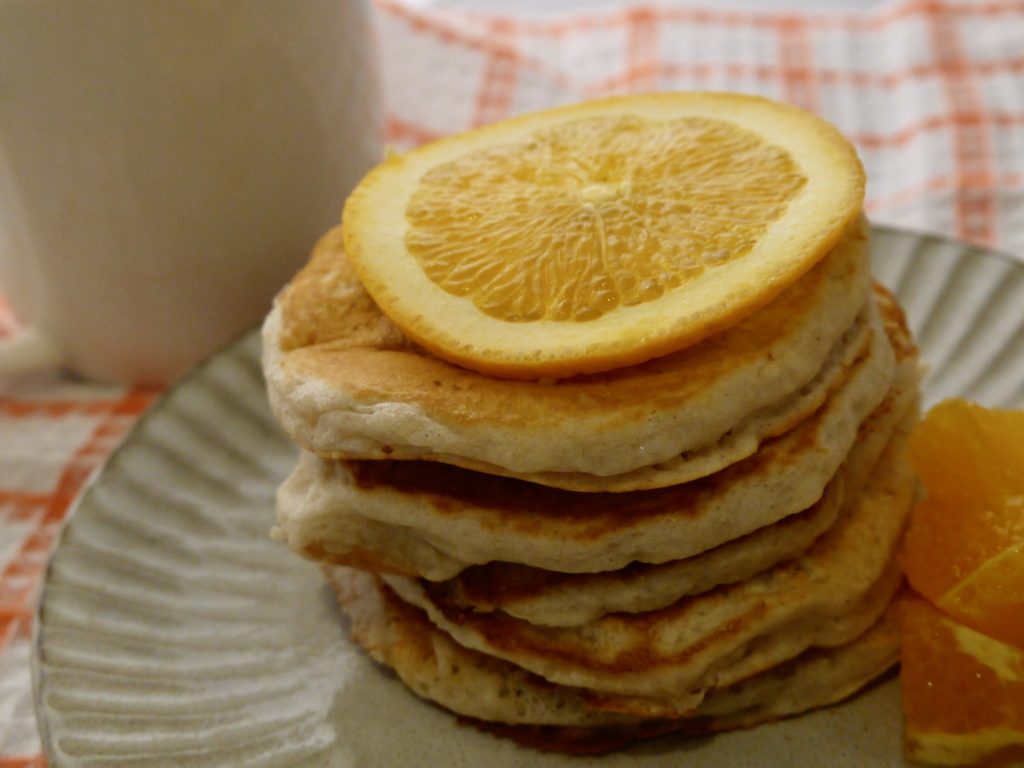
(963, 692)
(602, 234)
(964, 549)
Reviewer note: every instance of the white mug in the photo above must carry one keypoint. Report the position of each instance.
(166, 166)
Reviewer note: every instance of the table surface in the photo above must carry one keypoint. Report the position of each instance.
(928, 90)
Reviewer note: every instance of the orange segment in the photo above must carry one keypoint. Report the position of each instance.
(992, 597)
(963, 692)
(602, 234)
(964, 549)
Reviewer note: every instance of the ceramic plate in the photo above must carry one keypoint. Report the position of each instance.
(173, 632)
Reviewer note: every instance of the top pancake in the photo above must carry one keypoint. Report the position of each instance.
(433, 520)
(345, 383)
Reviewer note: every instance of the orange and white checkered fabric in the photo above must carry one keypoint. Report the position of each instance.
(930, 91)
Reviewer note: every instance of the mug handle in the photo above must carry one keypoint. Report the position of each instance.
(26, 351)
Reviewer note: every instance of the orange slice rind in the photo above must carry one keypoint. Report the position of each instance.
(599, 235)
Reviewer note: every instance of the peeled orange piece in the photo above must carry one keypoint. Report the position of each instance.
(964, 550)
(963, 692)
(602, 234)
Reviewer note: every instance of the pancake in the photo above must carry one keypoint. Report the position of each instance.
(345, 384)
(817, 678)
(569, 599)
(672, 656)
(735, 445)
(474, 685)
(565, 599)
(433, 520)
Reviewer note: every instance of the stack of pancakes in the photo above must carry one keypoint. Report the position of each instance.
(703, 541)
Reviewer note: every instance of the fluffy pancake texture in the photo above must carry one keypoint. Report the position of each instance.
(344, 382)
(431, 519)
(827, 596)
(564, 599)
(700, 542)
(479, 686)
(553, 598)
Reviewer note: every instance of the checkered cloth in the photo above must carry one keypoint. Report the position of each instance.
(929, 91)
